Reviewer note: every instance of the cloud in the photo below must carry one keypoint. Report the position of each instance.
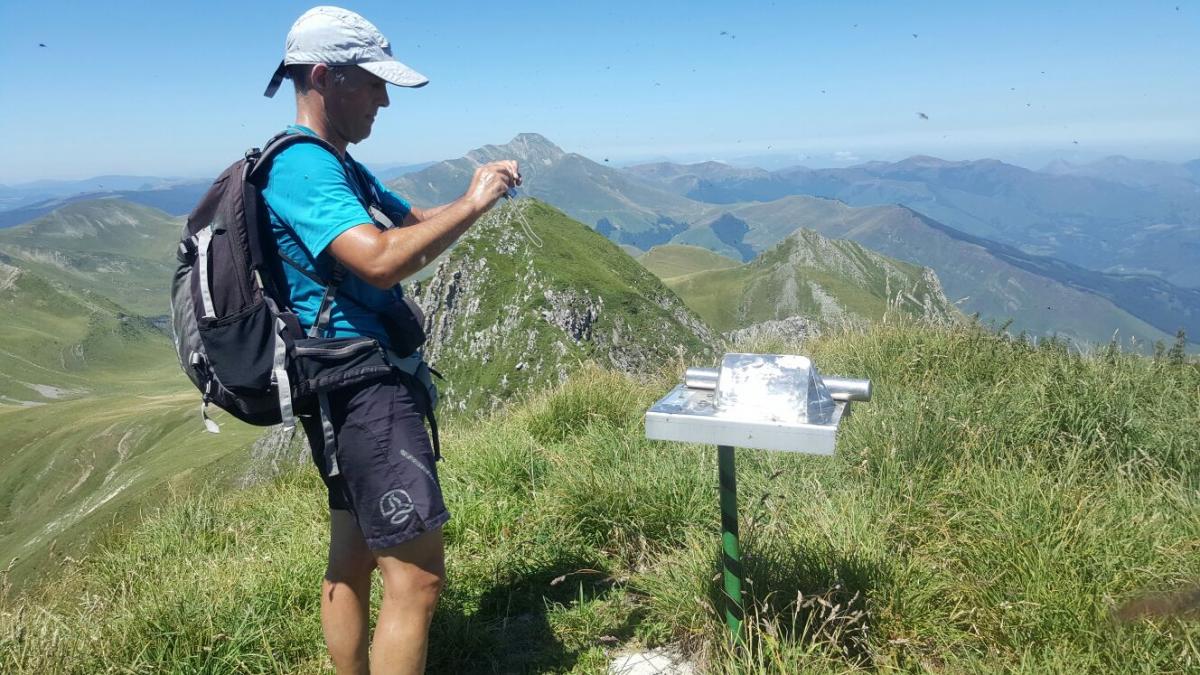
(846, 156)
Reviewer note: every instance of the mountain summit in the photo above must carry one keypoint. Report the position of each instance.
(527, 148)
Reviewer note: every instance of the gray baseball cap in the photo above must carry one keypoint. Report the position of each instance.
(339, 37)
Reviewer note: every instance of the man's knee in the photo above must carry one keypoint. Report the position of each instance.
(414, 570)
(414, 586)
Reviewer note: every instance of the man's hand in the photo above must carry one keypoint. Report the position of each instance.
(490, 182)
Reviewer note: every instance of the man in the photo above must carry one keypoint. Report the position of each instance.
(386, 508)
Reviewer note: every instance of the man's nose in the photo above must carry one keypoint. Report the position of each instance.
(383, 99)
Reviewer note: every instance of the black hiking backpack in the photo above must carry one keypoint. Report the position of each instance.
(236, 336)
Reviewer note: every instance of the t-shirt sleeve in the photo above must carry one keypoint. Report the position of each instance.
(394, 206)
(308, 190)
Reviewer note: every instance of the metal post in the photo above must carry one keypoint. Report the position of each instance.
(731, 559)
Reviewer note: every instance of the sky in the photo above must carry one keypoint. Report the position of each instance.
(175, 88)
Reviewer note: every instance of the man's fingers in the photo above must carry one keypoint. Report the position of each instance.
(508, 170)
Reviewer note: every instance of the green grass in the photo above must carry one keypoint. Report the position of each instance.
(73, 467)
(675, 260)
(95, 419)
(986, 512)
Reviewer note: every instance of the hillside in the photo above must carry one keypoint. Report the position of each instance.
(1041, 296)
(989, 511)
(54, 338)
(504, 316)
(95, 417)
(674, 260)
(825, 281)
(118, 249)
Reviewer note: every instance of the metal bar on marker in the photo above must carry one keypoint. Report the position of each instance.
(731, 561)
(701, 378)
(847, 389)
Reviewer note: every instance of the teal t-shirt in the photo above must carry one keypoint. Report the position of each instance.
(312, 197)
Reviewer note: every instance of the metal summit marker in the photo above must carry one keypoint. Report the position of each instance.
(761, 401)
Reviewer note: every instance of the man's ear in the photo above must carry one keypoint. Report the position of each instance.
(320, 78)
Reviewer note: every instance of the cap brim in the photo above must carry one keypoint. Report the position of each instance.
(276, 80)
(396, 73)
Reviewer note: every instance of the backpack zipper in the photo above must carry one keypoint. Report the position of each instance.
(339, 351)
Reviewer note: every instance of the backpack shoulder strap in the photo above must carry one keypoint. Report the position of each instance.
(278, 143)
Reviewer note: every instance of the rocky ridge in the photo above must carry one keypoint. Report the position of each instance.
(503, 315)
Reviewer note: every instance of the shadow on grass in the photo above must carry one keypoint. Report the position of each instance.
(508, 628)
(810, 597)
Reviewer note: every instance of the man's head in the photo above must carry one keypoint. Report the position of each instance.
(340, 65)
(346, 98)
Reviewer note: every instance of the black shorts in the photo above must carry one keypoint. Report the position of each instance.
(388, 476)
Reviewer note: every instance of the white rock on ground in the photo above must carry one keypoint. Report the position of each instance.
(652, 662)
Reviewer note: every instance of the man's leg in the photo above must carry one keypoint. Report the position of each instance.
(346, 594)
(413, 574)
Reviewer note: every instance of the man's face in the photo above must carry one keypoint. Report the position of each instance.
(352, 99)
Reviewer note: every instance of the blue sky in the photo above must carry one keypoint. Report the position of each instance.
(175, 88)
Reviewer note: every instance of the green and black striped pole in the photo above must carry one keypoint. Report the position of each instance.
(731, 561)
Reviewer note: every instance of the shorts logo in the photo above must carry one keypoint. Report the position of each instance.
(396, 506)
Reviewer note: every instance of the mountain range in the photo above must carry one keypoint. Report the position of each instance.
(647, 206)
(95, 416)
(174, 198)
(1117, 215)
(617, 204)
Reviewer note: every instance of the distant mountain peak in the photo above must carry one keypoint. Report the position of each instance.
(532, 139)
(525, 147)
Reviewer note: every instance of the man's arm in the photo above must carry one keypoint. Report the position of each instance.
(384, 258)
(416, 215)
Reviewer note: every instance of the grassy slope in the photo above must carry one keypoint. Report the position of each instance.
(72, 467)
(986, 512)
(95, 416)
(53, 335)
(674, 260)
